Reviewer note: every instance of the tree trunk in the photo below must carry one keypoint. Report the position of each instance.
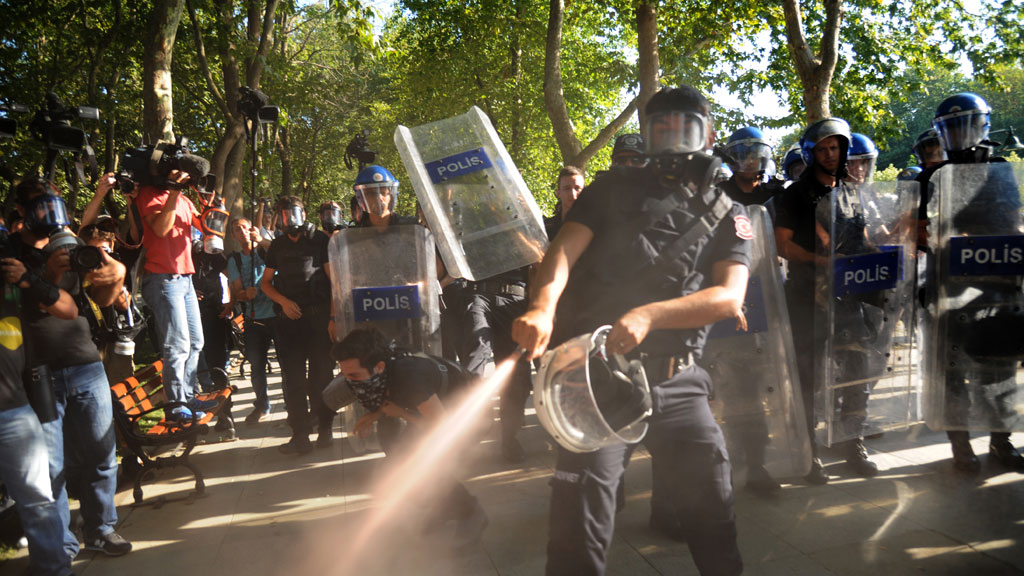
(157, 109)
(517, 143)
(648, 64)
(573, 151)
(284, 147)
(815, 70)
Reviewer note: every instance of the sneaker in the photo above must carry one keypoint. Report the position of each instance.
(296, 446)
(224, 424)
(110, 544)
(204, 405)
(470, 529)
(184, 416)
(258, 414)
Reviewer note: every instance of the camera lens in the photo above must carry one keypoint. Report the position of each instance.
(87, 258)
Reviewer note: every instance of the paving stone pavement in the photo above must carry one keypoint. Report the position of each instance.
(271, 514)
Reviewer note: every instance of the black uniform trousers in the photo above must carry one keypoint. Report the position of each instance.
(298, 342)
(487, 337)
(686, 442)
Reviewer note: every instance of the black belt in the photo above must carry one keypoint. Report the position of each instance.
(500, 288)
(662, 368)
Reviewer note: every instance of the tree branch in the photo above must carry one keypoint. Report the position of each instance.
(204, 63)
(606, 134)
(554, 97)
(802, 55)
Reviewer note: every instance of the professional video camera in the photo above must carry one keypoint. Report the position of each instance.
(52, 125)
(358, 150)
(8, 125)
(150, 166)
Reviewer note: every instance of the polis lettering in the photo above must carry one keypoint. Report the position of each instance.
(866, 275)
(392, 302)
(459, 165)
(1006, 255)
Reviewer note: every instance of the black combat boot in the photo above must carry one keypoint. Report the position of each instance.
(857, 457)
(964, 459)
(817, 475)
(1001, 449)
(760, 482)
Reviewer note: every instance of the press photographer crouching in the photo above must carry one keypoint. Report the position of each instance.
(51, 269)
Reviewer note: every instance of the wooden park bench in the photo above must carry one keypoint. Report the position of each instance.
(142, 395)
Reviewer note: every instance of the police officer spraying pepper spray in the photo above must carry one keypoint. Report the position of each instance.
(659, 254)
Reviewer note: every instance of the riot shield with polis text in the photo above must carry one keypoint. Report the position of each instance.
(973, 319)
(864, 311)
(754, 375)
(388, 277)
(484, 218)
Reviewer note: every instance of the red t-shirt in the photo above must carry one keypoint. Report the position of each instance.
(171, 254)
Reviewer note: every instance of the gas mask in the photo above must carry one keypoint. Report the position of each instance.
(293, 219)
(46, 214)
(215, 223)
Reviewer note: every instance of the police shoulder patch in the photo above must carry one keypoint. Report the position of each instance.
(744, 229)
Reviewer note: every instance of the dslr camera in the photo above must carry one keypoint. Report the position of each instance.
(84, 258)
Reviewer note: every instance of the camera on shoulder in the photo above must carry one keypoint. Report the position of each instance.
(151, 166)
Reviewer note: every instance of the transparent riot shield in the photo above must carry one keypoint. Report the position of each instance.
(475, 201)
(756, 390)
(587, 400)
(974, 313)
(387, 276)
(864, 308)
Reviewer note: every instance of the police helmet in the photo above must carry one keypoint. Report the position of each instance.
(372, 183)
(962, 121)
(793, 163)
(861, 158)
(678, 121)
(821, 130)
(928, 139)
(909, 173)
(747, 152)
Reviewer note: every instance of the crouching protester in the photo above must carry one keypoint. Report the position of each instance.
(413, 388)
(80, 437)
(657, 253)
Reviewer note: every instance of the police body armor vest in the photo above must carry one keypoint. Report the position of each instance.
(628, 265)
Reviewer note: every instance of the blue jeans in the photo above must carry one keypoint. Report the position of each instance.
(172, 298)
(23, 469)
(81, 450)
(258, 337)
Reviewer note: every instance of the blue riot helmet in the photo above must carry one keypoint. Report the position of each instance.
(909, 173)
(747, 152)
(928, 150)
(377, 190)
(821, 131)
(861, 159)
(793, 164)
(962, 121)
(677, 122)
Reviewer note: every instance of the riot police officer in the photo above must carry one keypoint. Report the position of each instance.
(749, 157)
(659, 294)
(928, 150)
(861, 159)
(961, 125)
(800, 238)
(793, 164)
(295, 281)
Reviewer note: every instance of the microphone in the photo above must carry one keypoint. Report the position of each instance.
(196, 167)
